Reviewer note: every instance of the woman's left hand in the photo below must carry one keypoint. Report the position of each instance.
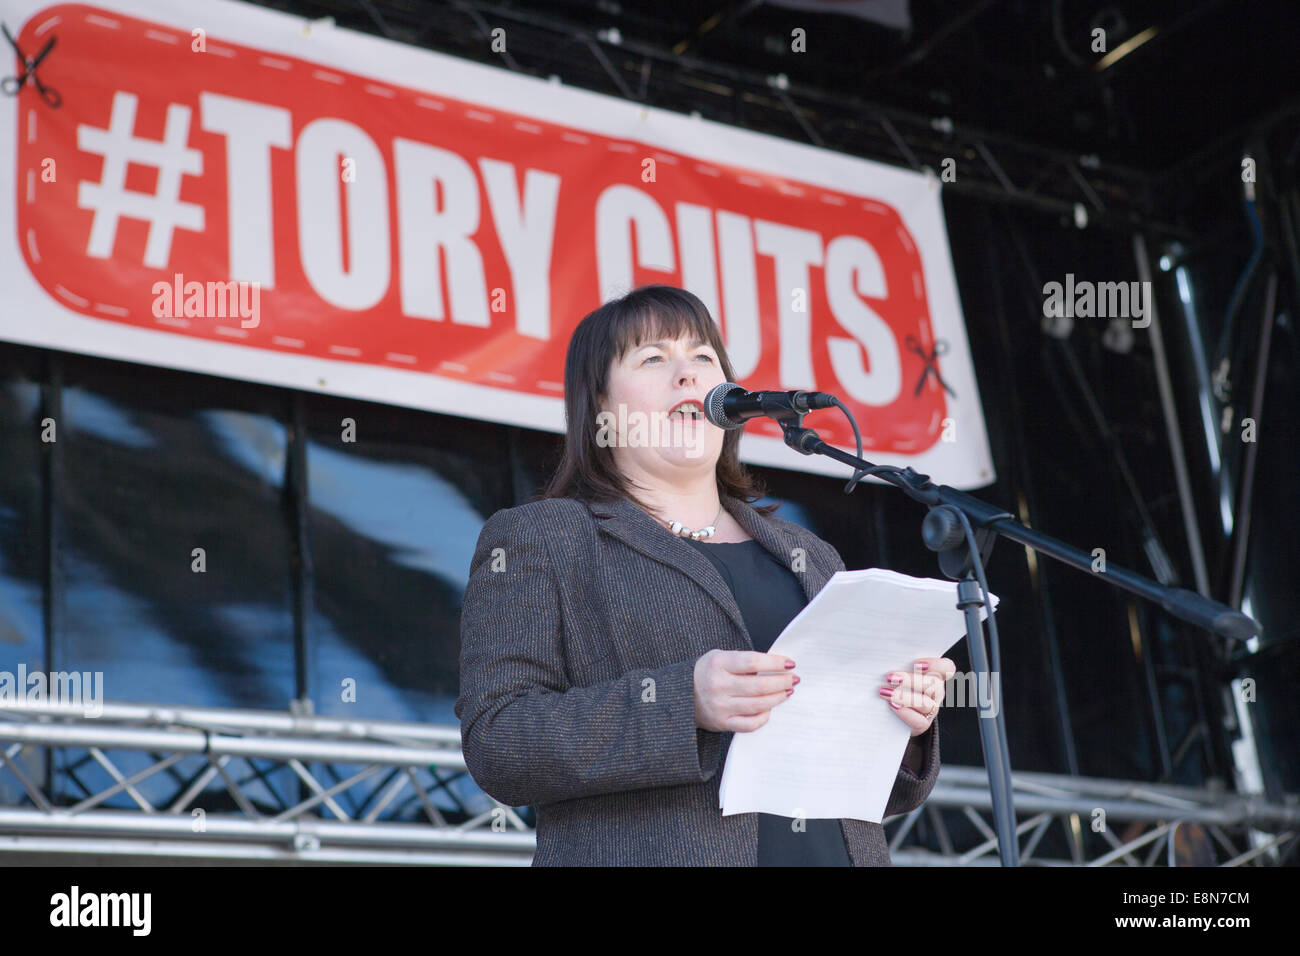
(916, 694)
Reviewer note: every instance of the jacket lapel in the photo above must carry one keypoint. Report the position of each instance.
(630, 524)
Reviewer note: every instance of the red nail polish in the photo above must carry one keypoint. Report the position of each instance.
(789, 664)
(923, 666)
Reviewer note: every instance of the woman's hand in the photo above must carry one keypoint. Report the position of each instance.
(916, 695)
(732, 694)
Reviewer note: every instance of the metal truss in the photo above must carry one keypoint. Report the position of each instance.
(1102, 823)
(236, 785)
(181, 782)
(996, 167)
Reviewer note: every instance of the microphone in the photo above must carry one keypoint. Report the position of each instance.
(730, 406)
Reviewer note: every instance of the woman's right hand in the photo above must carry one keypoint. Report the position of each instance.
(732, 695)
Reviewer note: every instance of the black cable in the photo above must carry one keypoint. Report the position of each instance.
(858, 474)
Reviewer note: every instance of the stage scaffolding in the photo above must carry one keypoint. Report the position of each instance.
(202, 786)
(1084, 189)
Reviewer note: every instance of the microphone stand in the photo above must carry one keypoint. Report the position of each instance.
(963, 530)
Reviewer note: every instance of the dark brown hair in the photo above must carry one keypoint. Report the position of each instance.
(652, 312)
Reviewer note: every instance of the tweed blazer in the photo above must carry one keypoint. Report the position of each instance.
(580, 628)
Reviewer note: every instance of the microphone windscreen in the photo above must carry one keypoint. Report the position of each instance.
(714, 405)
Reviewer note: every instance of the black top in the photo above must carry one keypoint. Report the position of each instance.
(769, 596)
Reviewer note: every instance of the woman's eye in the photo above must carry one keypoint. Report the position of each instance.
(702, 355)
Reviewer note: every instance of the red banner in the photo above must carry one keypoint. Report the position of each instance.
(209, 189)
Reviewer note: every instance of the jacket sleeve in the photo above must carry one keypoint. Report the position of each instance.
(528, 737)
(910, 790)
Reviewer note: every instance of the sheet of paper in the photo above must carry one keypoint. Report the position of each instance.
(833, 748)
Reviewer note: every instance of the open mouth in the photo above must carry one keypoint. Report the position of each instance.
(689, 410)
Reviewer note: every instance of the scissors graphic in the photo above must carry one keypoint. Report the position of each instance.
(12, 84)
(931, 362)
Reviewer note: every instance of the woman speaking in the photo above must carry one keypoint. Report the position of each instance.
(614, 633)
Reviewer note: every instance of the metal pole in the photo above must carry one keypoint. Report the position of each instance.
(1196, 551)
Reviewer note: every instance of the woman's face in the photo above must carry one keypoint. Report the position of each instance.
(638, 414)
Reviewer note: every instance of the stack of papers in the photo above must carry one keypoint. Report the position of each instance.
(833, 748)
